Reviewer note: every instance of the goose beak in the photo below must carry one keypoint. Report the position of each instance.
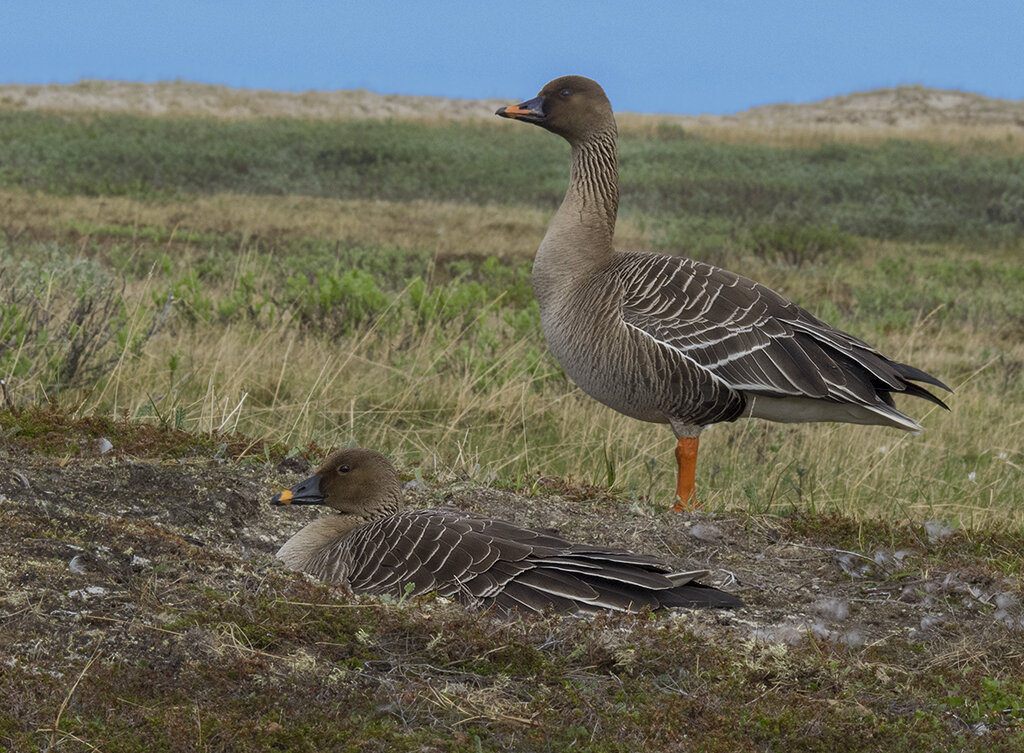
(305, 492)
(531, 111)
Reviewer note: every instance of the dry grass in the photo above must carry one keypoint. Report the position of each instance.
(290, 387)
(457, 409)
(445, 228)
(1007, 139)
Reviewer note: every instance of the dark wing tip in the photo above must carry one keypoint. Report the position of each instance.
(699, 596)
(912, 374)
(917, 375)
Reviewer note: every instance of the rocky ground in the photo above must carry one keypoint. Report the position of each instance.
(139, 593)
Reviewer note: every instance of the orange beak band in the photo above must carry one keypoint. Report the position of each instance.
(514, 111)
(305, 492)
(531, 111)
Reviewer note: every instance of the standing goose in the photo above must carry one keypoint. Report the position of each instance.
(374, 548)
(674, 340)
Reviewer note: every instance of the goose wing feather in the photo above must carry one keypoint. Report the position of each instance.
(597, 569)
(749, 337)
(480, 560)
(519, 596)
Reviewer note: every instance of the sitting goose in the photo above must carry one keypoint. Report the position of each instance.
(674, 340)
(373, 548)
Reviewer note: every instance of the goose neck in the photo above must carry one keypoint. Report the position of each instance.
(594, 182)
(579, 238)
(325, 532)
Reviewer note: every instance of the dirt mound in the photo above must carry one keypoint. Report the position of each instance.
(144, 593)
(110, 512)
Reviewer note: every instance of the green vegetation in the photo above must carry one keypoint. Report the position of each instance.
(399, 313)
(903, 190)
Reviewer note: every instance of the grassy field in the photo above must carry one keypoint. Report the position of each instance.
(366, 282)
(225, 300)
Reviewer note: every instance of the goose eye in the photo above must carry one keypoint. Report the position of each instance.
(344, 469)
(565, 92)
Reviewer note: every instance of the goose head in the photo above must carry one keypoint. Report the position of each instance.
(574, 107)
(351, 481)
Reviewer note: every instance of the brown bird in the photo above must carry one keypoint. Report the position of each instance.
(674, 340)
(372, 547)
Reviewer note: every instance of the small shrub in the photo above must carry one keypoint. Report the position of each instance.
(797, 245)
(332, 302)
(64, 321)
(1008, 208)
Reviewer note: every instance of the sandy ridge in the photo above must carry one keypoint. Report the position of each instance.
(901, 107)
(170, 98)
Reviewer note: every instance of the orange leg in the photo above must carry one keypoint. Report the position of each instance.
(686, 457)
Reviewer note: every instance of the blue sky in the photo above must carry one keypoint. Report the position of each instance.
(683, 57)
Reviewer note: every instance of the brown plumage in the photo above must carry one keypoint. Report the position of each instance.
(372, 547)
(674, 340)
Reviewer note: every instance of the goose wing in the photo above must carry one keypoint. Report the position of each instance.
(485, 561)
(752, 339)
